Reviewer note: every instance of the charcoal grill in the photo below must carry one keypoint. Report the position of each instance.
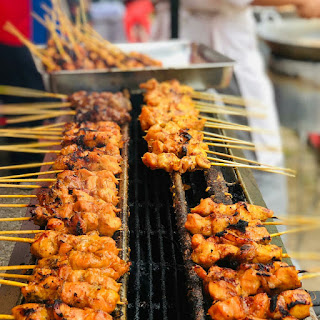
(161, 284)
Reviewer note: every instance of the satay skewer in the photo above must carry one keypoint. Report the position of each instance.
(31, 93)
(39, 173)
(249, 161)
(27, 165)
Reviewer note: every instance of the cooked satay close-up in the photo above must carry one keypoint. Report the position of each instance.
(294, 303)
(207, 252)
(102, 185)
(51, 243)
(75, 294)
(56, 311)
(78, 215)
(248, 280)
(79, 260)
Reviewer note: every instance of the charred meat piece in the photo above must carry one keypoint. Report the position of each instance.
(170, 162)
(294, 303)
(51, 243)
(57, 311)
(246, 211)
(249, 279)
(207, 252)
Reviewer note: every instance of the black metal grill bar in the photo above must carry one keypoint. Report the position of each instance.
(149, 251)
(137, 249)
(161, 250)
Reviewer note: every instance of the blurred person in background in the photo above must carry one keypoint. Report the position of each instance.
(107, 18)
(137, 20)
(228, 26)
(16, 63)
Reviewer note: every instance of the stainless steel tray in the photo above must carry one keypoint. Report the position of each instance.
(193, 64)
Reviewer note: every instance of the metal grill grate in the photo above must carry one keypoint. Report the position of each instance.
(156, 284)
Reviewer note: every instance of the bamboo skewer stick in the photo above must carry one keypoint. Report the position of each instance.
(14, 219)
(13, 283)
(229, 99)
(31, 145)
(225, 140)
(28, 165)
(29, 150)
(21, 232)
(309, 276)
(28, 180)
(16, 239)
(229, 110)
(50, 126)
(249, 161)
(17, 196)
(31, 131)
(236, 127)
(30, 136)
(21, 186)
(39, 173)
(31, 111)
(7, 316)
(231, 146)
(15, 276)
(37, 117)
(36, 105)
(293, 231)
(226, 163)
(211, 134)
(14, 205)
(20, 267)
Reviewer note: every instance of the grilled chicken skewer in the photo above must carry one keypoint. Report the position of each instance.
(49, 243)
(246, 211)
(80, 215)
(57, 311)
(75, 294)
(207, 252)
(248, 279)
(291, 304)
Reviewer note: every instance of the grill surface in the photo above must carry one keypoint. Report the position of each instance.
(156, 283)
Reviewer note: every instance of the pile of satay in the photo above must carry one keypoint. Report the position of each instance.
(78, 46)
(78, 264)
(241, 270)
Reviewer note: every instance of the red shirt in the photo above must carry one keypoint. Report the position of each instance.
(18, 13)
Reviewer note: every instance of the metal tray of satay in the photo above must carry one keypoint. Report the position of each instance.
(191, 63)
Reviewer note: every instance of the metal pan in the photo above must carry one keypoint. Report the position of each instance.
(191, 63)
(297, 39)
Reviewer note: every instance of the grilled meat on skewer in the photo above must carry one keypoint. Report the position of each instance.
(104, 106)
(92, 276)
(151, 116)
(81, 215)
(75, 294)
(294, 303)
(90, 134)
(246, 211)
(170, 138)
(155, 91)
(207, 252)
(248, 279)
(51, 243)
(170, 162)
(217, 222)
(57, 311)
(78, 260)
(101, 185)
(91, 160)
